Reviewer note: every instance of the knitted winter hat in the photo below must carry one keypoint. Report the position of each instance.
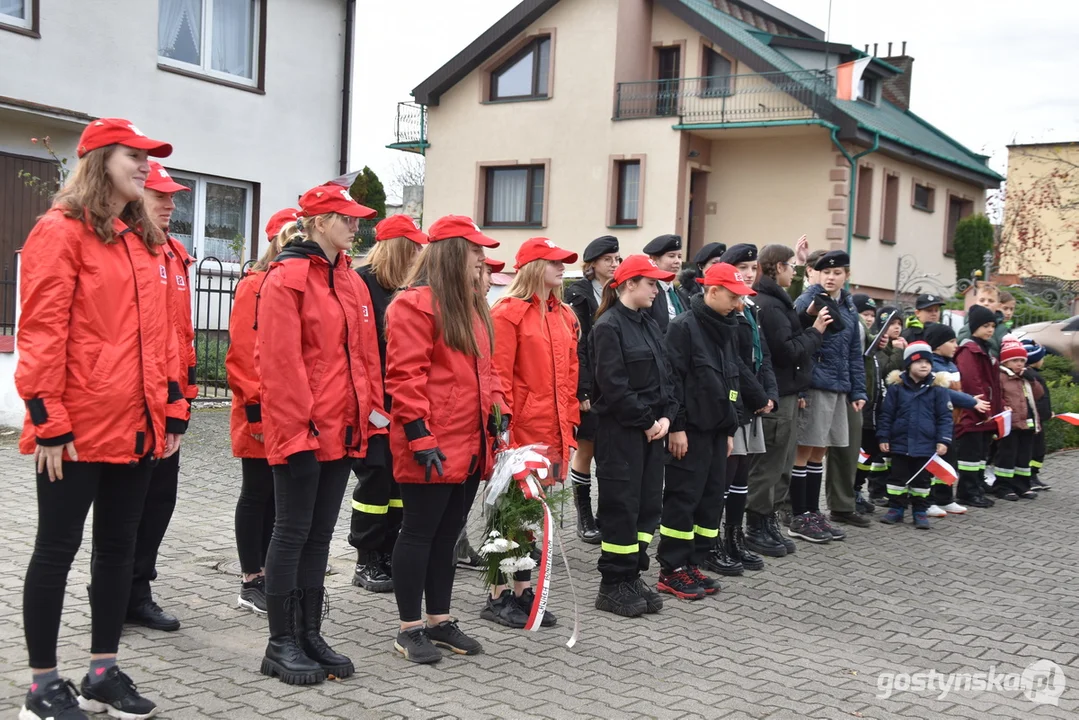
(1035, 352)
(917, 350)
(863, 302)
(936, 334)
(978, 316)
(1012, 349)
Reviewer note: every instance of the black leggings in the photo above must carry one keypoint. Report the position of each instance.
(117, 493)
(156, 514)
(307, 511)
(254, 514)
(424, 558)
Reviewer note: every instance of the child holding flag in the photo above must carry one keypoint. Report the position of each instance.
(915, 426)
(973, 429)
(1014, 448)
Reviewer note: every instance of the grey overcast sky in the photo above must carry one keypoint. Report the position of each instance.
(986, 72)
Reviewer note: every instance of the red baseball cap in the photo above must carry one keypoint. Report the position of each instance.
(495, 265)
(396, 226)
(461, 226)
(726, 275)
(542, 249)
(280, 219)
(160, 180)
(332, 199)
(639, 266)
(117, 131)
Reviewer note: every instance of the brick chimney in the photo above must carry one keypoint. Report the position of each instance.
(896, 90)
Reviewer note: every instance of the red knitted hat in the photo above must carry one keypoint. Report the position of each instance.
(1012, 349)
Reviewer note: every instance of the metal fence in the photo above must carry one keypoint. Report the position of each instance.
(8, 279)
(215, 289)
(410, 127)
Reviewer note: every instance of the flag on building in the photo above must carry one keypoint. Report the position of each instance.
(847, 77)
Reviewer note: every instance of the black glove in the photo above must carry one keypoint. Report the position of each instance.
(494, 428)
(429, 458)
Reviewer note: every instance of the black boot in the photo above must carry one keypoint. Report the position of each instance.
(718, 561)
(586, 522)
(771, 524)
(759, 540)
(284, 658)
(735, 541)
(335, 664)
(371, 573)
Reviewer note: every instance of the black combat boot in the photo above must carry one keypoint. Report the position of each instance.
(735, 541)
(719, 561)
(371, 573)
(284, 657)
(771, 523)
(586, 522)
(314, 646)
(759, 540)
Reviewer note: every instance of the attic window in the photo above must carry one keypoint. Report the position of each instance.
(525, 75)
(868, 89)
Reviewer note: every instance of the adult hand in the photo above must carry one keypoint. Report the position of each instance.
(801, 250)
(679, 444)
(942, 449)
(653, 432)
(586, 405)
(766, 409)
(428, 459)
(823, 320)
(885, 447)
(981, 404)
(172, 444)
(50, 458)
(664, 426)
(858, 405)
(730, 445)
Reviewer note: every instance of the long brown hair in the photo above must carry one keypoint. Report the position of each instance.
(283, 238)
(611, 293)
(770, 256)
(87, 193)
(445, 267)
(391, 260)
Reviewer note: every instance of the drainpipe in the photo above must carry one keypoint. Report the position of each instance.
(346, 90)
(853, 160)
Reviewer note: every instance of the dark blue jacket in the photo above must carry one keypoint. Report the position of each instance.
(915, 417)
(959, 398)
(838, 366)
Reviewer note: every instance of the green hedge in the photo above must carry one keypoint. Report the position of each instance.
(210, 349)
(1060, 435)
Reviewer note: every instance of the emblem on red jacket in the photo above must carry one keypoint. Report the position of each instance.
(164, 274)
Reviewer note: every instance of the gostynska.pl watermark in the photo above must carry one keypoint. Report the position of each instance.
(1042, 682)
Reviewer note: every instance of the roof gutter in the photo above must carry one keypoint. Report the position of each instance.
(346, 89)
(853, 160)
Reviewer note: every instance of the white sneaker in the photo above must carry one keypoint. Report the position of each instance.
(954, 508)
(935, 511)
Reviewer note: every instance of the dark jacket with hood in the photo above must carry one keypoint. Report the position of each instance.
(1043, 403)
(978, 376)
(838, 365)
(791, 342)
(915, 416)
(879, 362)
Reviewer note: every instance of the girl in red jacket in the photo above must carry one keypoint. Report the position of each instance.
(97, 369)
(321, 401)
(536, 357)
(255, 506)
(440, 374)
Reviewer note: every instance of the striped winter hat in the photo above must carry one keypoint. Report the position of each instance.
(917, 350)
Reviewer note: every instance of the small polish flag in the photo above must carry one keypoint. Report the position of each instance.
(847, 77)
(1004, 423)
(941, 470)
(1070, 418)
(863, 456)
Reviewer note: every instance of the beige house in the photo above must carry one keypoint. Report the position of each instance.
(713, 119)
(1040, 230)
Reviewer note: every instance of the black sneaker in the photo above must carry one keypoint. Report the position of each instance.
(621, 599)
(680, 584)
(415, 645)
(371, 574)
(863, 505)
(653, 601)
(115, 695)
(525, 600)
(710, 585)
(57, 701)
(504, 610)
(467, 558)
(149, 614)
(1038, 485)
(253, 596)
(446, 634)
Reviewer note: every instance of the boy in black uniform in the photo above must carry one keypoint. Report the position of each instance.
(634, 399)
(701, 346)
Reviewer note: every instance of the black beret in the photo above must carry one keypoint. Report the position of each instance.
(928, 301)
(600, 246)
(863, 302)
(740, 253)
(709, 251)
(936, 334)
(663, 245)
(832, 259)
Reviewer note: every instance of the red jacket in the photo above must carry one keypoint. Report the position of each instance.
(316, 357)
(246, 418)
(451, 392)
(180, 278)
(979, 376)
(536, 357)
(96, 351)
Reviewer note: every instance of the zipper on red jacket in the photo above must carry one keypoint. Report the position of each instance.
(348, 358)
(138, 310)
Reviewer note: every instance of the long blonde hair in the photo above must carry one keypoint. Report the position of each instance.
(445, 267)
(88, 192)
(391, 260)
(529, 282)
(281, 239)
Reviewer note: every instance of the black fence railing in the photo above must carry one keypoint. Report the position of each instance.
(755, 97)
(215, 289)
(410, 129)
(8, 279)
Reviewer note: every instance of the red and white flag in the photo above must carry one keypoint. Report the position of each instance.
(939, 468)
(1070, 418)
(863, 456)
(1004, 423)
(847, 77)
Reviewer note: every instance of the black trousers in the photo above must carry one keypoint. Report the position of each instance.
(376, 509)
(1013, 462)
(117, 493)
(156, 515)
(629, 473)
(940, 493)
(424, 560)
(1037, 454)
(307, 511)
(902, 490)
(254, 514)
(971, 452)
(693, 501)
(873, 470)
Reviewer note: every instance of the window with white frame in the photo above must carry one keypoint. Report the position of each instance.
(17, 13)
(212, 220)
(216, 37)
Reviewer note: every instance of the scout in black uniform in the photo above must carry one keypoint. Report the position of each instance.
(666, 253)
(927, 309)
(702, 347)
(600, 260)
(634, 399)
(688, 279)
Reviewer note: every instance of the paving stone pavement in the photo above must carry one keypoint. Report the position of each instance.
(807, 637)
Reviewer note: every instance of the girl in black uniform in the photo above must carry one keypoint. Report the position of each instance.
(634, 399)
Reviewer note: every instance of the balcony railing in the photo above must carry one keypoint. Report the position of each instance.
(410, 129)
(755, 97)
